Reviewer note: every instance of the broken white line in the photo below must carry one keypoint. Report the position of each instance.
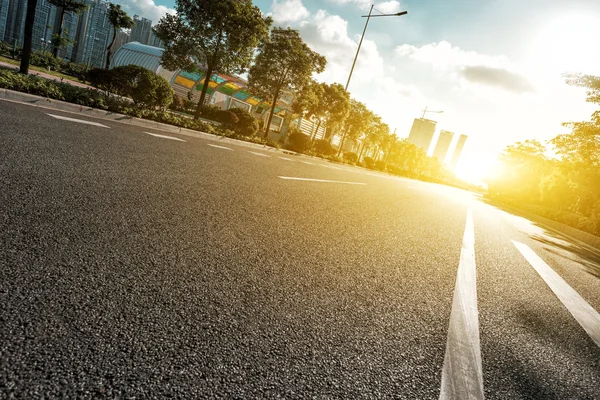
(291, 178)
(582, 311)
(219, 147)
(258, 154)
(81, 121)
(462, 374)
(286, 159)
(164, 136)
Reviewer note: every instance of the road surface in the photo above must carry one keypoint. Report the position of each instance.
(136, 263)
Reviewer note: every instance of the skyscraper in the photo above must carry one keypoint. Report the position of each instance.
(141, 31)
(460, 144)
(421, 133)
(94, 34)
(442, 145)
(3, 17)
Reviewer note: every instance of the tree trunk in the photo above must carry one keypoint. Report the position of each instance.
(28, 36)
(59, 33)
(316, 131)
(341, 144)
(268, 127)
(200, 106)
(108, 49)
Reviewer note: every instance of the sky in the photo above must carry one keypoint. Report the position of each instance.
(494, 67)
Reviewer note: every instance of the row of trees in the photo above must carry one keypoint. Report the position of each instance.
(116, 16)
(559, 179)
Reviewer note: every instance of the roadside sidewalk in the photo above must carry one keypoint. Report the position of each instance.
(47, 76)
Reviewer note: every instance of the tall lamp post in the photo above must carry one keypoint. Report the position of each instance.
(363, 35)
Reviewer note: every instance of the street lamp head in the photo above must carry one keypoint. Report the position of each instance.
(402, 13)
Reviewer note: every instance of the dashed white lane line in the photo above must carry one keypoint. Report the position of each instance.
(258, 154)
(81, 121)
(582, 311)
(164, 136)
(219, 147)
(462, 374)
(285, 159)
(331, 167)
(291, 178)
(307, 163)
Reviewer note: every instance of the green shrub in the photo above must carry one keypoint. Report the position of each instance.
(247, 125)
(227, 119)
(380, 165)
(77, 70)
(298, 141)
(369, 162)
(350, 157)
(146, 88)
(47, 60)
(323, 148)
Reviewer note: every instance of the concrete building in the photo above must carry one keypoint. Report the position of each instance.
(141, 31)
(421, 133)
(460, 144)
(94, 34)
(443, 144)
(15, 22)
(4, 4)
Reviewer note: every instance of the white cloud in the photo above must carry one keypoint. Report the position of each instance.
(288, 11)
(388, 7)
(145, 8)
(385, 7)
(473, 67)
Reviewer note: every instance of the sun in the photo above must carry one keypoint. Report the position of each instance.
(475, 167)
(566, 43)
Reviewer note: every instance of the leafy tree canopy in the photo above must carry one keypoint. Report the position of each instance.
(220, 34)
(284, 62)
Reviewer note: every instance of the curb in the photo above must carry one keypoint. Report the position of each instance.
(569, 231)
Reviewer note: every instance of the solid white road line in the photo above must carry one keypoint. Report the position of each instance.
(582, 311)
(462, 374)
(258, 154)
(285, 159)
(164, 136)
(219, 147)
(291, 178)
(81, 121)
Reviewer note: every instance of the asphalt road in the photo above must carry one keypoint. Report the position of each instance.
(136, 266)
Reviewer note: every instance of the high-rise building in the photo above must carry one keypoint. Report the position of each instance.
(69, 28)
(15, 22)
(45, 25)
(442, 145)
(155, 41)
(94, 34)
(421, 133)
(141, 31)
(460, 144)
(4, 4)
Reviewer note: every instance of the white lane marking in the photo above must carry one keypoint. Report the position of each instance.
(307, 163)
(582, 311)
(329, 166)
(219, 147)
(291, 178)
(81, 121)
(462, 374)
(286, 159)
(258, 154)
(164, 136)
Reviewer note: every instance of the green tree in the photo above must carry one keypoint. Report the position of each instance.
(358, 120)
(332, 106)
(220, 34)
(28, 36)
(119, 19)
(64, 6)
(284, 62)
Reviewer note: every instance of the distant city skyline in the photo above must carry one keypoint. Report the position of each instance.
(90, 32)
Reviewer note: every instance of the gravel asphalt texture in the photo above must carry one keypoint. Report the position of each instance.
(133, 266)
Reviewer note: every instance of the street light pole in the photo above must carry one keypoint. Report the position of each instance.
(363, 36)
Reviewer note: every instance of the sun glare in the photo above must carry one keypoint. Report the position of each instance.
(567, 43)
(474, 168)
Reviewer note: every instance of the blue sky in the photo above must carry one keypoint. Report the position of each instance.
(493, 66)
